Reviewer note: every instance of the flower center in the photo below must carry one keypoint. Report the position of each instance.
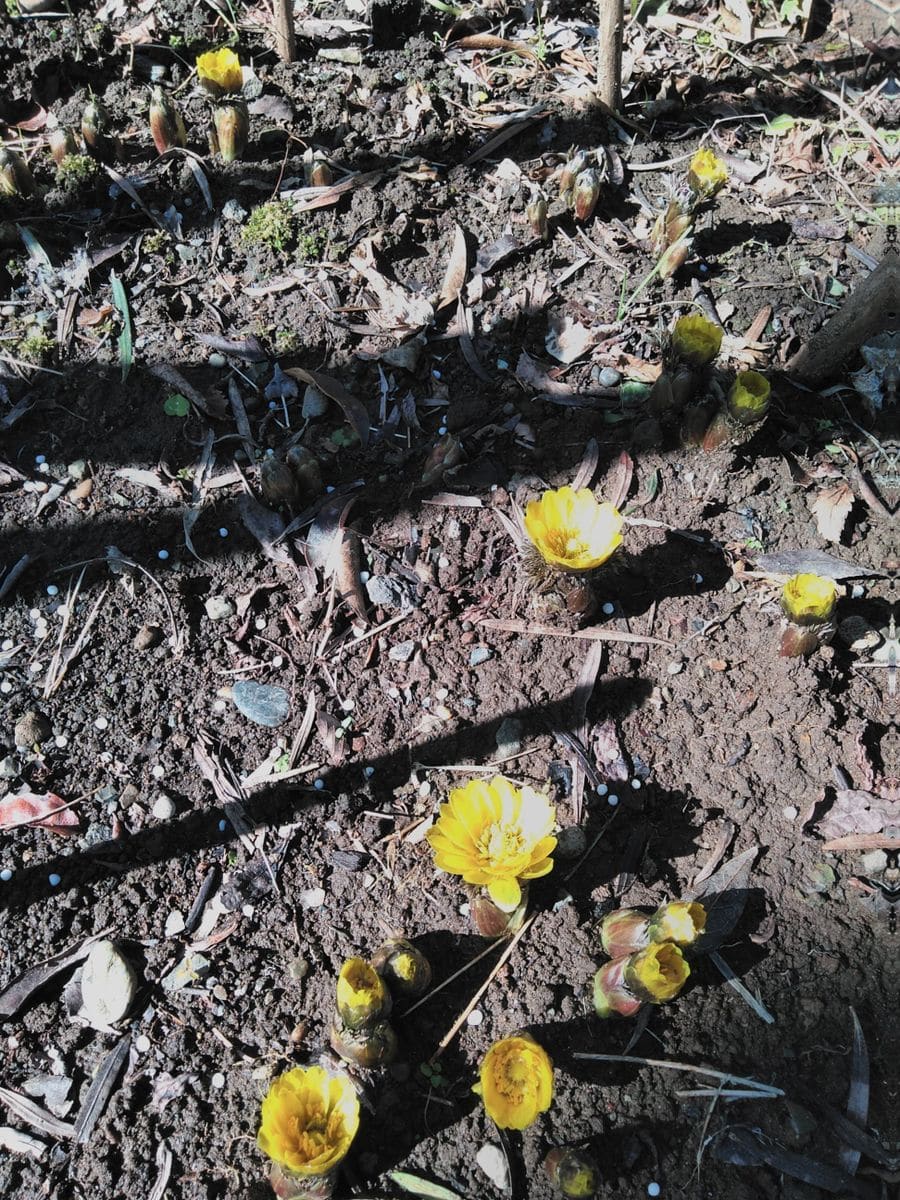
(513, 1080)
(500, 842)
(311, 1139)
(566, 543)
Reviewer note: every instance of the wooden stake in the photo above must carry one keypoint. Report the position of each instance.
(285, 41)
(610, 17)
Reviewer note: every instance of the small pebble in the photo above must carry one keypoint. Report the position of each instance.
(478, 655)
(857, 591)
(475, 1017)
(6, 687)
(162, 554)
(40, 459)
(217, 360)
(61, 741)
(101, 723)
(368, 772)
(8, 644)
(319, 785)
(602, 789)
(219, 706)
(142, 1043)
(54, 880)
(6, 874)
(790, 812)
(653, 1189)
(636, 784)
(223, 532)
(163, 809)
(612, 800)
(609, 377)
(52, 589)
(608, 609)
(698, 579)
(218, 1080)
(502, 364)
(158, 772)
(223, 825)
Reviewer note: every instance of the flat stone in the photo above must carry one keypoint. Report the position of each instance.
(32, 729)
(108, 984)
(147, 637)
(509, 736)
(387, 592)
(219, 608)
(403, 651)
(478, 655)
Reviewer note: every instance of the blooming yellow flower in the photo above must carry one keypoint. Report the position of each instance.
(571, 530)
(707, 173)
(494, 835)
(516, 1082)
(748, 397)
(657, 973)
(220, 71)
(680, 921)
(695, 340)
(309, 1119)
(361, 994)
(808, 599)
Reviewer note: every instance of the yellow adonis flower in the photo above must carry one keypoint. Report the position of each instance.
(808, 599)
(309, 1119)
(680, 921)
(495, 835)
(571, 530)
(707, 173)
(361, 994)
(748, 397)
(695, 340)
(515, 1082)
(220, 71)
(657, 973)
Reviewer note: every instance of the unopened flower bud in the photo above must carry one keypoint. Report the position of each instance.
(649, 976)
(696, 340)
(318, 173)
(586, 194)
(572, 1172)
(445, 453)
(307, 471)
(678, 921)
(277, 481)
(62, 143)
(748, 397)
(570, 172)
(96, 132)
(403, 966)
(799, 642)
(624, 931)
(536, 212)
(362, 998)
(232, 126)
(166, 122)
(719, 432)
(375, 1046)
(612, 998)
(492, 921)
(15, 177)
(675, 256)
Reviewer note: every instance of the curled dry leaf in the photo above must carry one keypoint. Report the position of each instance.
(831, 507)
(47, 811)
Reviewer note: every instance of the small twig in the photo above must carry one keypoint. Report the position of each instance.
(588, 635)
(13, 574)
(667, 1064)
(460, 1020)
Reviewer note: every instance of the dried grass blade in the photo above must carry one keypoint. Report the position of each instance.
(858, 1096)
(746, 995)
(16, 995)
(126, 338)
(101, 1089)
(34, 1115)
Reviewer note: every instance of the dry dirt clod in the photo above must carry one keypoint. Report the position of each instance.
(147, 637)
(32, 729)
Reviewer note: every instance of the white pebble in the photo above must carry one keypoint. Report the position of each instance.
(6, 874)
(101, 723)
(35, 668)
(612, 800)
(857, 591)
(163, 809)
(62, 610)
(35, 614)
(608, 609)
(54, 880)
(442, 693)
(61, 741)
(277, 661)
(223, 532)
(260, 622)
(6, 687)
(475, 1017)
(8, 644)
(52, 589)
(142, 1043)
(636, 784)
(162, 554)
(158, 772)
(219, 706)
(218, 1080)
(602, 789)
(653, 1189)
(790, 812)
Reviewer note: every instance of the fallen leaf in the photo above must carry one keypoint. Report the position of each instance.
(856, 811)
(47, 811)
(831, 507)
(455, 275)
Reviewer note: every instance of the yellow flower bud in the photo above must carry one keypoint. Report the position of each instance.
(657, 973)
(405, 967)
(707, 174)
(373, 1046)
(679, 921)
(362, 997)
(573, 1172)
(220, 72)
(748, 397)
(695, 340)
(809, 599)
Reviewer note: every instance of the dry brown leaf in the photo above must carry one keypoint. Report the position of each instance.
(47, 811)
(831, 507)
(399, 309)
(455, 275)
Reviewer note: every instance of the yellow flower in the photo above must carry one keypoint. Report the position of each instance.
(748, 397)
(571, 530)
(695, 340)
(309, 1119)
(516, 1082)
(657, 973)
(361, 994)
(707, 173)
(808, 599)
(220, 71)
(494, 836)
(680, 922)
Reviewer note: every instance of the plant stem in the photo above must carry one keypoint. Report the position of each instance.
(610, 18)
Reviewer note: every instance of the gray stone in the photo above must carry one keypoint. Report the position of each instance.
(509, 736)
(387, 592)
(219, 608)
(32, 729)
(77, 470)
(478, 655)
(163, 808)
(403, 651)
(609, 377)
(147, 637)
(9, 767)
